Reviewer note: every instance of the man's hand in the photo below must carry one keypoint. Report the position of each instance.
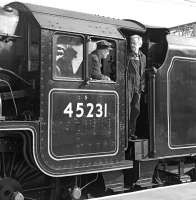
(108, 78)
(151, 70)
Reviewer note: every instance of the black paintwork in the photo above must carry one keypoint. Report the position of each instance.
(175, 97)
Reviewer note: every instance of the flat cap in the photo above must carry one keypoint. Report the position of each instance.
(103, 44)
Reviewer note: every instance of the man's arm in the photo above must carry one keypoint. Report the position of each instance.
(96, 69)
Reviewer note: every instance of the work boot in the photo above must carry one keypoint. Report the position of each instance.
(132, 135)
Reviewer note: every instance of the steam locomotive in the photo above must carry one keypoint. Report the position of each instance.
(64, 135)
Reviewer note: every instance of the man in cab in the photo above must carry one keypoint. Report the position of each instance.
(95, 60)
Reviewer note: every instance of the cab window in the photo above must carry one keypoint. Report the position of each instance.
(68, 57)
(102, 60)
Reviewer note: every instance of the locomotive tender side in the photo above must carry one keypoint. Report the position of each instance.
(175, 111)
(64, 135)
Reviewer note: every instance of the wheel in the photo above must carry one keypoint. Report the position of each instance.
(19, 180)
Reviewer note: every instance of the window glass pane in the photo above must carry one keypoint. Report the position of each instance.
(102, 59)
(68, 57)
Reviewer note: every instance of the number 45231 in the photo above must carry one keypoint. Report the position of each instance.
(89, 110)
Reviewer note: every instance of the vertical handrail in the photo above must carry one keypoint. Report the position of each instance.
(1, 109)
(151, 88)
(127, 111)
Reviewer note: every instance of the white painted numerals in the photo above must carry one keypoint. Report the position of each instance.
(68, 110)
(89, 110)
(79, 110)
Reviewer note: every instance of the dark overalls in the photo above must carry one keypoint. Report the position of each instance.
(136, 83)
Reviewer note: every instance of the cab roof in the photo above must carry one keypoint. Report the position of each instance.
(65, 20)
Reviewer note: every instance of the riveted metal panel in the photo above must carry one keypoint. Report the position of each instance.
(134, 25)
(77, 25)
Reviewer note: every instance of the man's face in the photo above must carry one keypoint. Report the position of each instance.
(135, 45)
(60, 51)
(105, 53)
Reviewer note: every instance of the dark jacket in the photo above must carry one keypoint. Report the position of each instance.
(64, 67)
(95, 67)
(136, 79)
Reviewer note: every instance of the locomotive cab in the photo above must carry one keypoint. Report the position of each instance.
(81, 119)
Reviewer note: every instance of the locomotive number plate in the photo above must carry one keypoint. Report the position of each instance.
(82, 123)
(88, 110)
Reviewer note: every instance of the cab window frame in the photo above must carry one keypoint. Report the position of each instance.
(113, 41)
(54, 46)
